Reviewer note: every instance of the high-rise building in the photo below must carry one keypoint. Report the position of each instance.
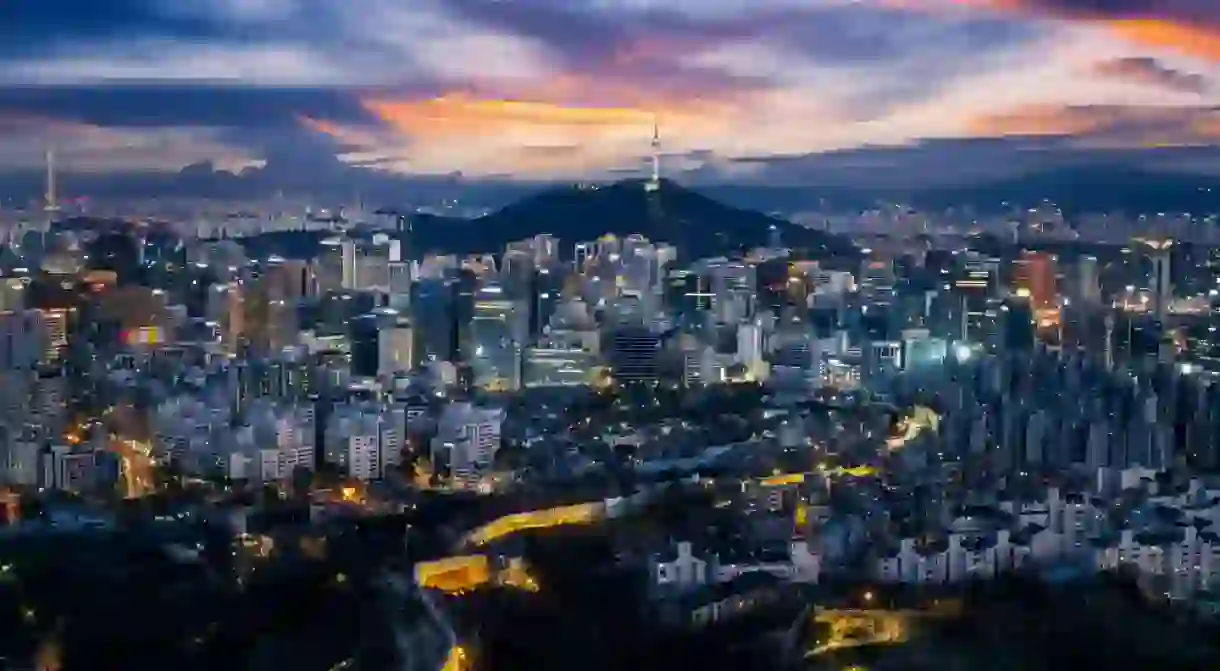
(466, 442)
(1160, 278)
(395, 348)
(331, 265)
(1089, 278)
(1035, 279)
(634, 354)
(496, 340)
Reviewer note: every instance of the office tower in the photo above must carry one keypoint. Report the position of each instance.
(21, 340)
(1159, 252)
(1017, 324)
(270, 320)
(1089, 274)
(877, 281)
(546, 292)
(395, 348)
(496, 340)
(1035, 279)
(976, 305)
(370, 263)
(556, 365)
(634, 354)
(330, 265)
(54, 335)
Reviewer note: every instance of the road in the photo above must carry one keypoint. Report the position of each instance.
(137, 466)
(423, 637)
(864, 627)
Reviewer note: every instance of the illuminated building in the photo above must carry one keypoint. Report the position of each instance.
(557, 366)
(332, 264)
(1035, 279)
(974, 291)
(466, 442)
(1161, 280)
(20, 340)
(270, 318)
(55, 334)
(226, 308)
(634, 352)
(395, 348)
(12, 294)
(877, 279)
(921, 352)
(1089, 278)
(496, 345)
(362, 440)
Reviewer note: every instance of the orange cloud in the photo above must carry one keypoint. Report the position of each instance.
(1040, 120)
(1197, 41)
(346, 135)
(465, 115)
(569, 123)
(1191, 33)
(580, 105)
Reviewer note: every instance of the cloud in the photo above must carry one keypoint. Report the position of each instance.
(88, 148)
(1150, 71)
(1108, 125)
(544, 89)
(1190, 27)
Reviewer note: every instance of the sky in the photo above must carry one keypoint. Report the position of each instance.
(760, 90)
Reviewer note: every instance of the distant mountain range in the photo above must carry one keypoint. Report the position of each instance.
(1075, 190)
(1097, 186)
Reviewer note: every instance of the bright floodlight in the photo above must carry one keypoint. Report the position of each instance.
(962, 352)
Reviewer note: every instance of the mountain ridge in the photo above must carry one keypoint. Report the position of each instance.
(698, 226)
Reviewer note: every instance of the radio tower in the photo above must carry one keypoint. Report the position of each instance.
(654, 182)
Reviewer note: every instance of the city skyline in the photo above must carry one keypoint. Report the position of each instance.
(539, 89)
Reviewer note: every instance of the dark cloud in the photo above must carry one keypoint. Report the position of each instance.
(1148, 70)
(151, 105)
(1186, 10)
(837, 34)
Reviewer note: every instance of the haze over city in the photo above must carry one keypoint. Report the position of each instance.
(776, 91)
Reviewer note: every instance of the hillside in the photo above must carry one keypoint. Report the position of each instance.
(697, 225)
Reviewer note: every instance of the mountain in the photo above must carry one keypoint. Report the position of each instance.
(1079, 189)
(1088, 189)
(697, 225)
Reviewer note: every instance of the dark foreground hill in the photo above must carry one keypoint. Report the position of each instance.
(697, 225)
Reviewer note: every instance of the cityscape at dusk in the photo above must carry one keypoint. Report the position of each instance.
(609, 335)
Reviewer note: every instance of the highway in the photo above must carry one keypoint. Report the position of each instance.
(137, 466)
(860, 627)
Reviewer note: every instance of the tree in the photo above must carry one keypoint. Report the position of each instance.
(302, 480)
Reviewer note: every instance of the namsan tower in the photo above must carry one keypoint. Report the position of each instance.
(654, 181)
